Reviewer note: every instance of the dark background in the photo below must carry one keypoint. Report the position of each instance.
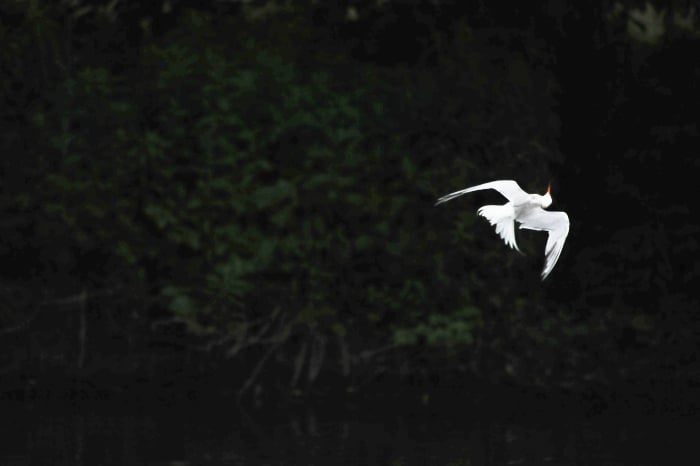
(238, 196)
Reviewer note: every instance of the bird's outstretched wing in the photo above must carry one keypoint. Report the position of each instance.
(501, 217)
(508, 188)
(556, 224)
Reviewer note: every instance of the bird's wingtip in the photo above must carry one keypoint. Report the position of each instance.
(545, 273)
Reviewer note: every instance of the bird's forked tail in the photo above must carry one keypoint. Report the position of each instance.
(502, 217)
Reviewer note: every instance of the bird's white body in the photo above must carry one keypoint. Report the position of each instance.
(526, 209)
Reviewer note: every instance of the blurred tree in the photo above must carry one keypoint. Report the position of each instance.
(264, 174)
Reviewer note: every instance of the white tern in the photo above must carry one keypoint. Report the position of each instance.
(528, 210)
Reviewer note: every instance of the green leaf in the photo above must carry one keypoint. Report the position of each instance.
(405, 336)
(269, 195)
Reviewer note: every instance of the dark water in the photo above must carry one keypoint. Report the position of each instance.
(219, 432)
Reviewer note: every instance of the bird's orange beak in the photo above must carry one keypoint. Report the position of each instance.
(549, 190)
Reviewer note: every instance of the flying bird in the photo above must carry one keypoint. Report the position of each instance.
(526, 209)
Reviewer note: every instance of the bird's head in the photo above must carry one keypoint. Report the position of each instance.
(547, 198)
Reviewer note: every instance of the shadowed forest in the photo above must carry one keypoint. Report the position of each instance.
(240, 195)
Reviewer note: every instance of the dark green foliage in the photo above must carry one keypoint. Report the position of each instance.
(282, 208)
(252, 197)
